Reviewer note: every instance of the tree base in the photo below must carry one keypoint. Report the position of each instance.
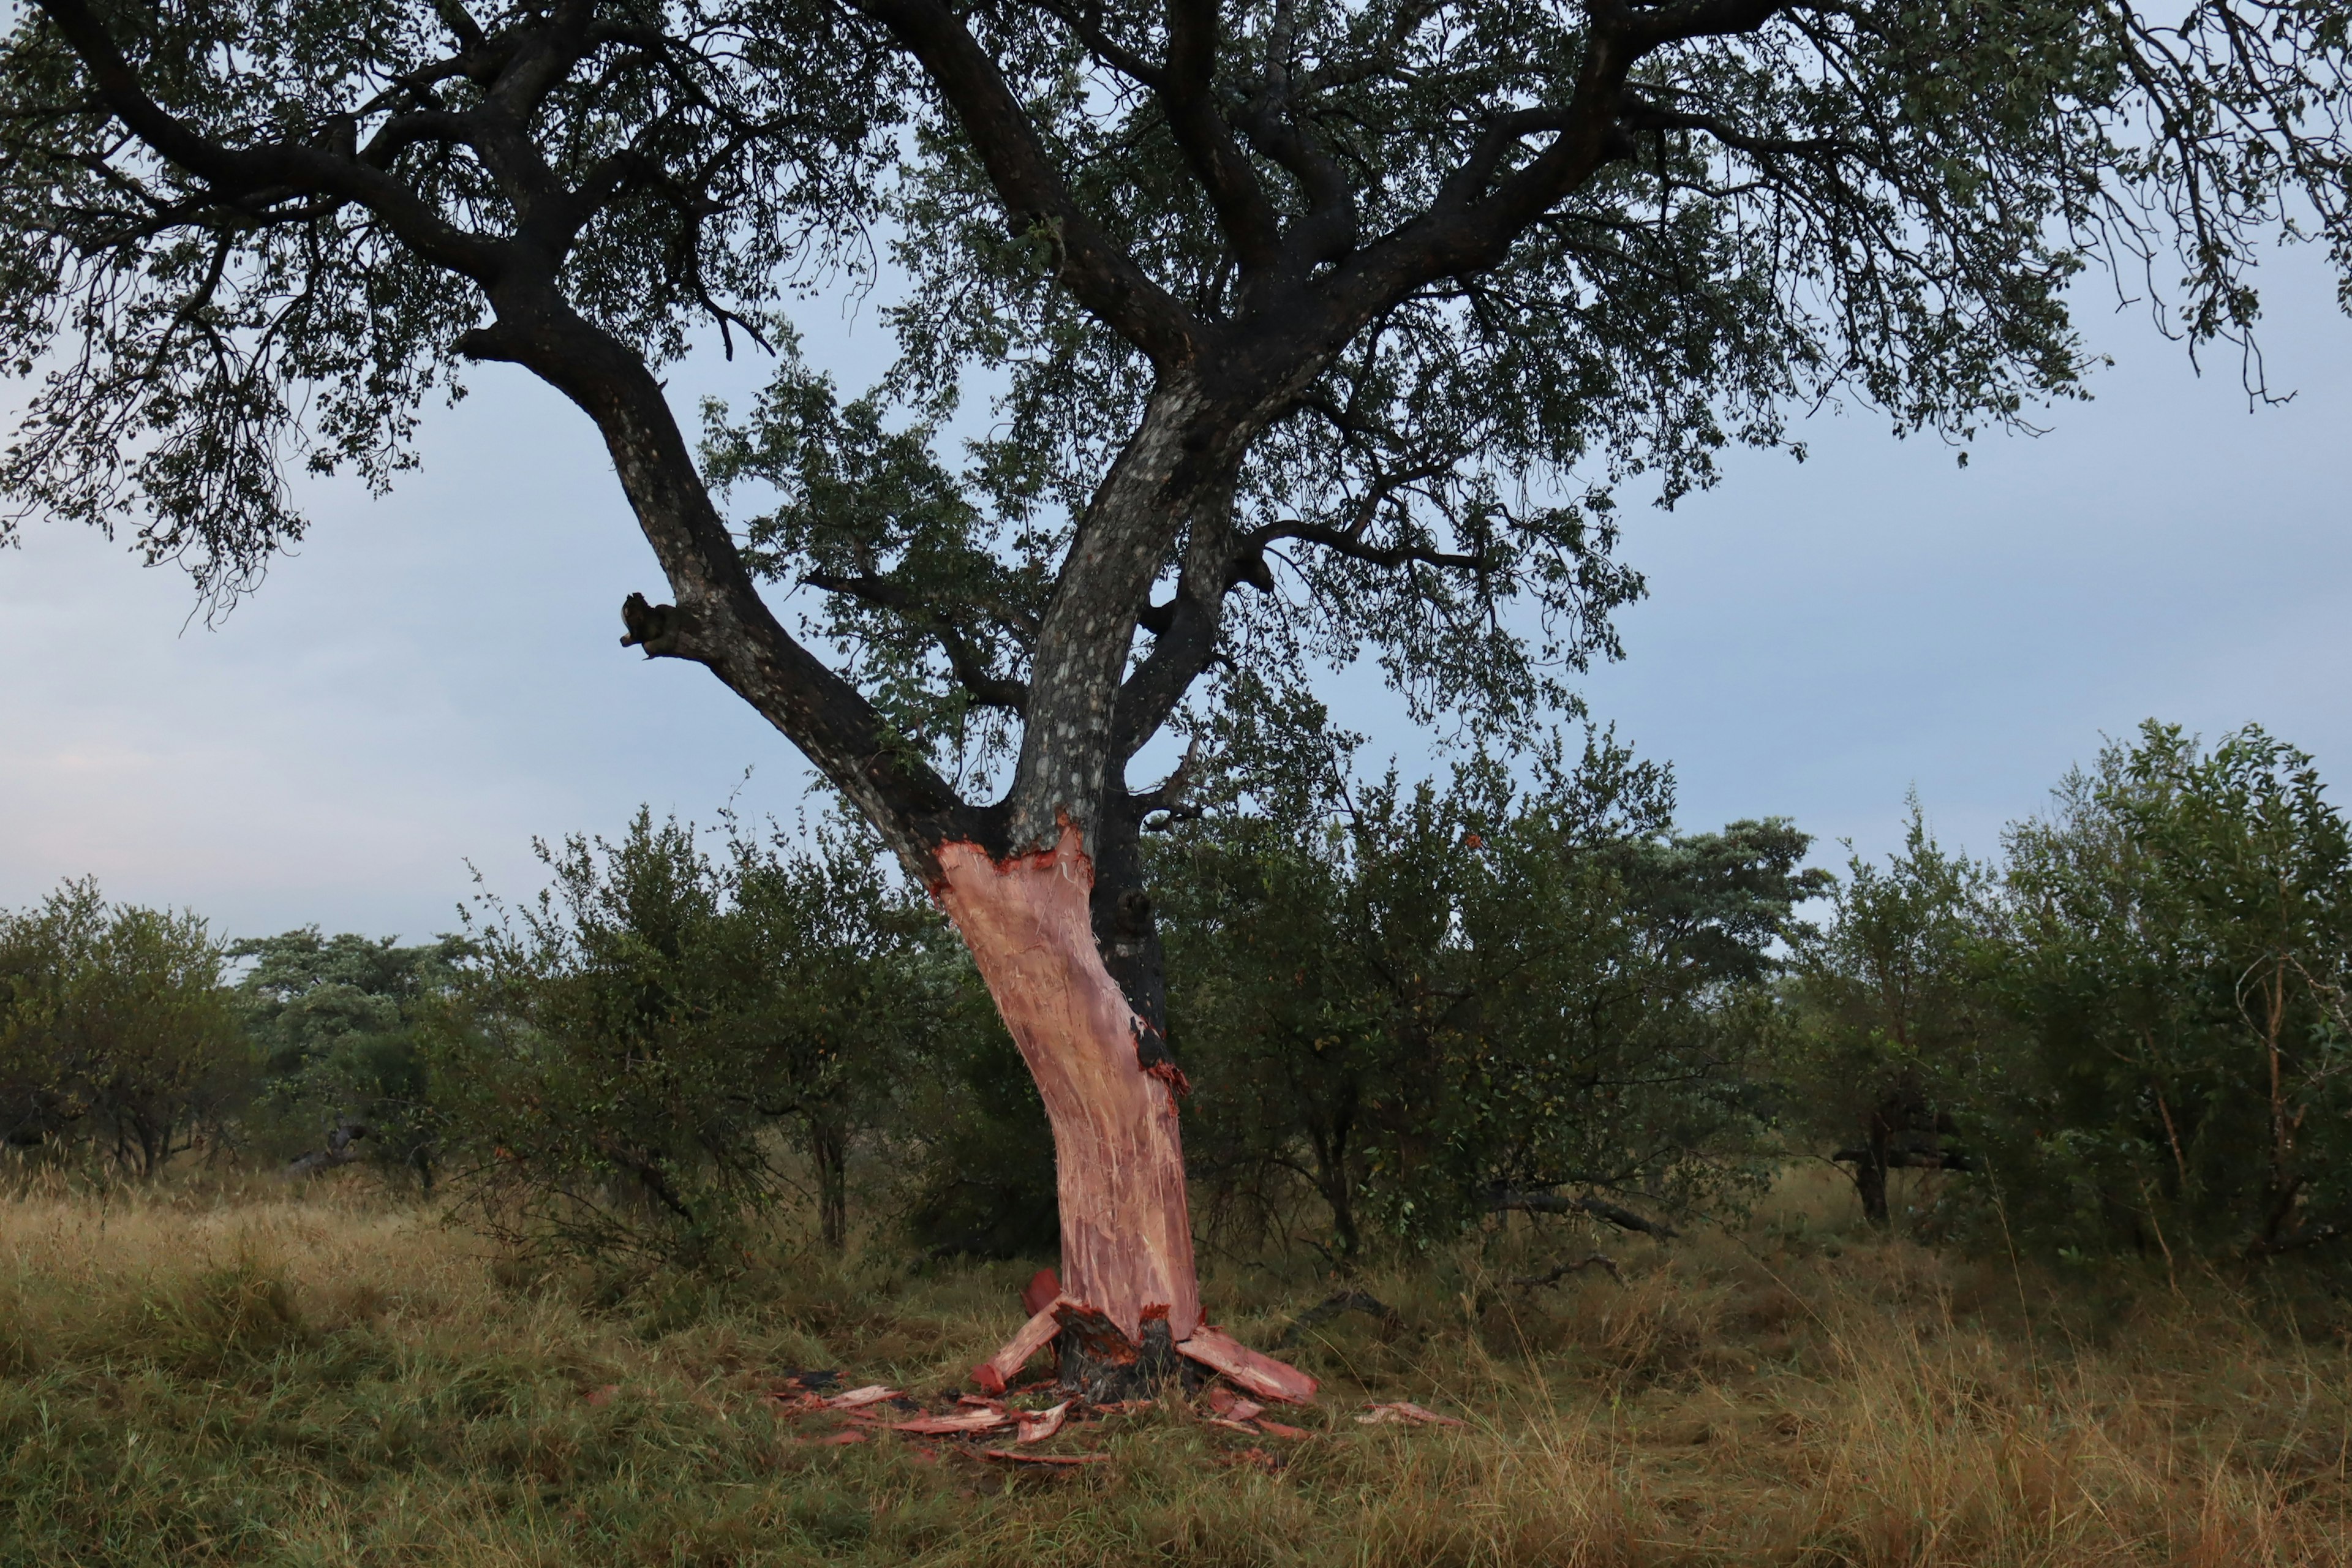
(1098, 1362)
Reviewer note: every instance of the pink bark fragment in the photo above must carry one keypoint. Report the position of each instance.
(872, 1394)
(1041, 1291)
(980, 1418)
(1020, 1459)
(1232, 1405)
(1035, 1428)
(1261, 1374)
(999, 1370)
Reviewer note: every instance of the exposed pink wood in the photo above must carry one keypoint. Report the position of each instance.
(1001, 1368)
(1276, 1430)
(1126, 1233)
(1261, 1374)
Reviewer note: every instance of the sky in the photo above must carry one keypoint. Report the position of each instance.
(434, 678)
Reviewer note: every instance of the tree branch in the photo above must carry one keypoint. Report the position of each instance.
(1103, 277)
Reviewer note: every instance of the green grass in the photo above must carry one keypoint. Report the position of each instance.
(271, 1378)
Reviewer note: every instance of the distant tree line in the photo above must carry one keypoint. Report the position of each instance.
(1408, 1011)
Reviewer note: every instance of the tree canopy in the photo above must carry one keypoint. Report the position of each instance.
(1367, 307)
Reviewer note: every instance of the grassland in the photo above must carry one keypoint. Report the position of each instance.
(208, 1375)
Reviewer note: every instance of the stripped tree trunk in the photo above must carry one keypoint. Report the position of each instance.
(1127, 1234)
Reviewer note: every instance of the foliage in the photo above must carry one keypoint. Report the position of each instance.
(333, 1022)
(1428, 1006)
(192, 329)
(114, 1028)
(621, 1062)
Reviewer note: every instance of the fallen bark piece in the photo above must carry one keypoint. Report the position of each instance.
(981, 1420)
(1406, 1410)
(1229, 1425)
(1276, 1430)
(798, 1403)
(840, 1439)
(872, 1394)
(1038, 1425)
(1232, 1405)
(1042, 1291)
(1020, 1459)
(976, 1402)
(1261, 1374)
(999, 1370)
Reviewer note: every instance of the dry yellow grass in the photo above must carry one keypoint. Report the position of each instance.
(259, 1376)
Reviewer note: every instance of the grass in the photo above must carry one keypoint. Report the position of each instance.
(193, 1377)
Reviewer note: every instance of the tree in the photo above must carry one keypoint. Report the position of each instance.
(333, 1021)
(2181, 965)
(618, 1063)
(1363, 306)
(1897, 1004)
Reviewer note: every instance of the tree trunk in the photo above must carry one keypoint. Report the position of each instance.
(830, 1150)
(1127, 1232)
(1870, 1171)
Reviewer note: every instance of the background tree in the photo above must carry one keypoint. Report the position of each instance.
(334, 1024)
(1898, 1014)
(1364, 306)
(2180, 961)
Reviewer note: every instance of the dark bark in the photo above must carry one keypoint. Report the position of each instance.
(829, 1151)
(1870, 1175)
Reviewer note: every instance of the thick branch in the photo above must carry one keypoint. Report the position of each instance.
(238, 172)
(1103, 277)
(719, 619)
(1187, 96)
(1624, 1218)
(970, 670)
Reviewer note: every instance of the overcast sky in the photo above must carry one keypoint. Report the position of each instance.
(436, 677)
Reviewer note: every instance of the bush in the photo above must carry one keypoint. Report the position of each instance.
(115, 1030)
(1427, 1007)
(627, 1063)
